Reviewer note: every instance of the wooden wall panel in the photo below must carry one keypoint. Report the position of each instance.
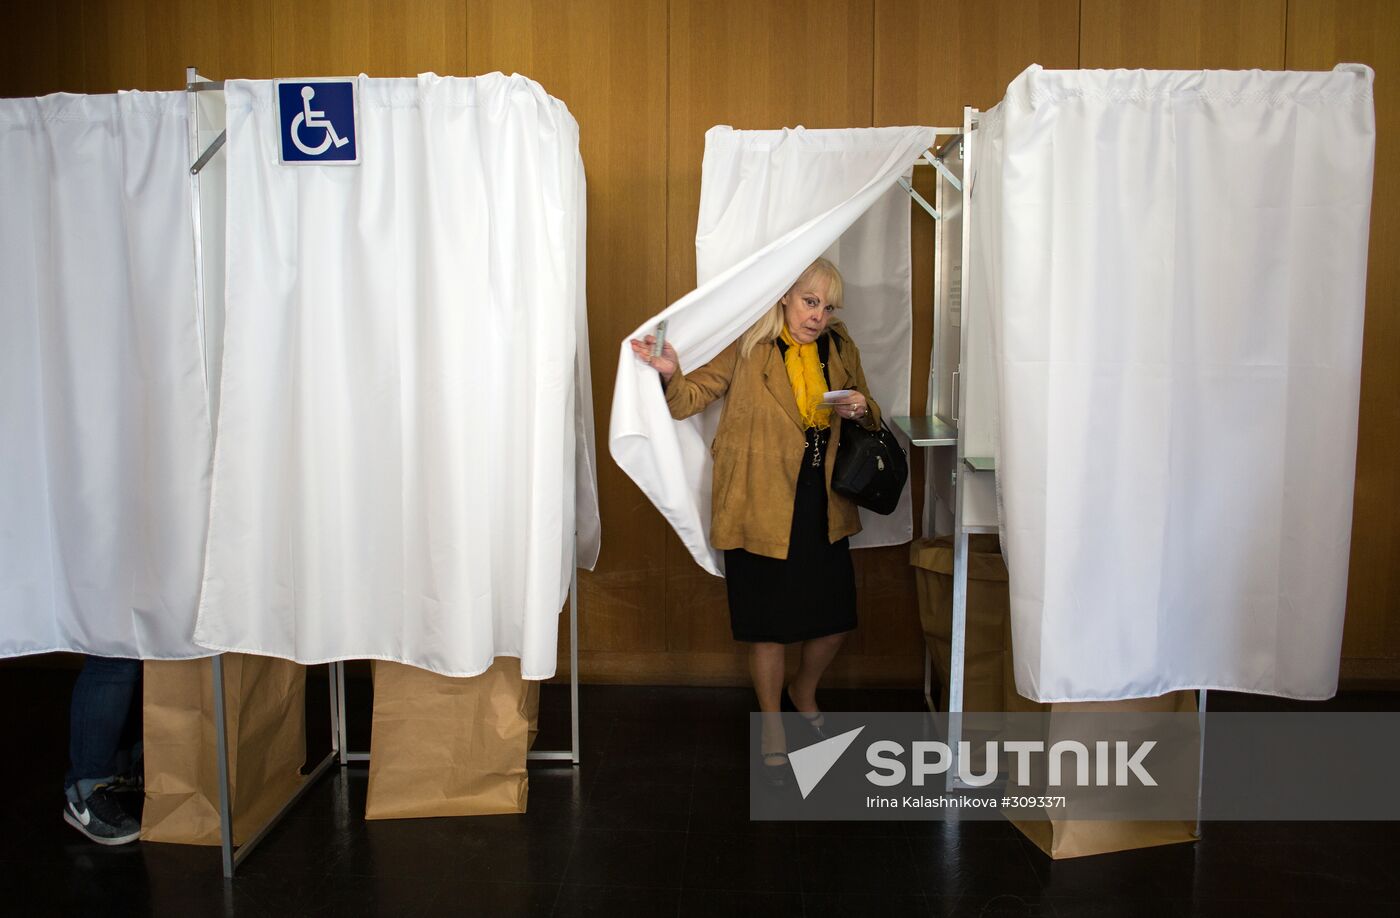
(1322, 33)
(932, 57)
(224, 40)
(116, 55)
(1182, 34)
(147, 44)
(349, 37)
(41, 48)
(607, 62)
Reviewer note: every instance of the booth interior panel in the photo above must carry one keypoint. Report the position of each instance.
(340, 38)
(607, 61)
(1182, 34)
(1322, 33)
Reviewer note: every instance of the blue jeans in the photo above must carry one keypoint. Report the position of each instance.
(98, 722)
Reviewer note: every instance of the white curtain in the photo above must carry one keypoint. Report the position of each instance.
(771, 202)
(104, 429)
(1177, 311)
(404, 382)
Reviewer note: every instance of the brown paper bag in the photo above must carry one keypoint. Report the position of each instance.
(1069, 838)
(265, 706)
(448, 747)
(1065, 838)
(987, 613)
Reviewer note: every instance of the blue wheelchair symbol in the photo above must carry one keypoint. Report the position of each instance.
(318, 122)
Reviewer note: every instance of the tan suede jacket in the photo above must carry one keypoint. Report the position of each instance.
(759, 445)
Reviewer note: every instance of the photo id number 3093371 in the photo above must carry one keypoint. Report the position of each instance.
(1038, 803)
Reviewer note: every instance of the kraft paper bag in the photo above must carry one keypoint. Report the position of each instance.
(1067, 838)
(265, 707)
(1070, 838)
(988, 606)
(444, 746)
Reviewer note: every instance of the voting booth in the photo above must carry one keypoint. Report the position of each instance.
(1132, 383)
(266, 339)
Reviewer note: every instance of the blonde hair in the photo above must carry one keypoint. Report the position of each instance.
(770, 326)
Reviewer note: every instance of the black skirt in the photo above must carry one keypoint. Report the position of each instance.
(812, 593)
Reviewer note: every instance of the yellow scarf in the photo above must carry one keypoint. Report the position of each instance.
(804, 370)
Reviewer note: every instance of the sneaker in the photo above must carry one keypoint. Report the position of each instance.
(102, 819)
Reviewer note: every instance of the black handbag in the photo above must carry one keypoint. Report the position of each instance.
(871, 467)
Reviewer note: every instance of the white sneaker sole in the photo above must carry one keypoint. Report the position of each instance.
(72, 820)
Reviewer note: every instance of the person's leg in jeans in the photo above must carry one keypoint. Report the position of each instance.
(97, 720)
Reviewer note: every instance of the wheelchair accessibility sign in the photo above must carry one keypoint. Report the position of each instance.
(317, 121)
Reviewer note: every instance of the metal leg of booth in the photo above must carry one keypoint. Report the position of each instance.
(235, 855)
(1201, 768)
(572, 753)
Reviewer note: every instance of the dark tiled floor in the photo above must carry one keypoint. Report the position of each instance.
(655, 822)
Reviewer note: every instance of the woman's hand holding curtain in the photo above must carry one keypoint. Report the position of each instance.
(666, 364)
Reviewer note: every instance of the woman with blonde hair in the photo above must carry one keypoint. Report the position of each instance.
(785, 534)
